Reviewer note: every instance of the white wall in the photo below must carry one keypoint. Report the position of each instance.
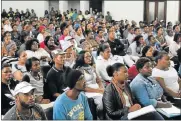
(38, 6)
(74, 5)
(54, 4)
(131, 10)
(172, 11)
(63, 5)
(84, 5)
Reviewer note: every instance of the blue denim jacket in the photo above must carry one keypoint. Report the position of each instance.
(146, 92)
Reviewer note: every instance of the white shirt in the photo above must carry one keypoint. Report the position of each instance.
(145, 35)
(173, 49)
(130, 37)
(40, 38)
(170, 77)
(87, 16)
(40, 52)
(169, 39)
(7, 28)
(126, 99)
(102, 64)
(16, 67)
(132, 49)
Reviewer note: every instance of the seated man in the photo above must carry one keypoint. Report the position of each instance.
(72, 104)
(55, 77)
(117, 48)
(25, 108)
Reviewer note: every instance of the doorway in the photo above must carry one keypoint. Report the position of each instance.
(54, 4)
(155, 10)
(96, 4)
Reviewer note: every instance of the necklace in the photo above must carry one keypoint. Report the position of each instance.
(24, 117)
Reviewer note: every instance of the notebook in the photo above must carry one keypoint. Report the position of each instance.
(170, 112)
(142, 111)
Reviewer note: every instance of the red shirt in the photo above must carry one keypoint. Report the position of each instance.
(132, 72)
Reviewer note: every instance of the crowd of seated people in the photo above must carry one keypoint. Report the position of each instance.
(86, 62)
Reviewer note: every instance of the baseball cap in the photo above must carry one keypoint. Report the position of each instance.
(23, 87)
(67, 38)
(65, 45)
(57, 52)
(41, 28)
(151, 25)
(161, 20)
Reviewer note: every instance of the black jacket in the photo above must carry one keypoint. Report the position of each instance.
(117, 48)
(113, 105)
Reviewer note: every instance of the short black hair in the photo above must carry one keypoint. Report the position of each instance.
(179, 55)
(99, 31)
(63, 26)
(149, 37)
(46, 40)
(72, 77)
(4, 65)
(176, 37)
(28, 63)
(141, 62)
(87, 32)
(145, 50)
(158, 28)
(112, 68)
(136, 28)
(174, 27)
(30, 42)
(160, 55)
(102, 47)
(126, 26)
(7, 32)
(145, 26)
(56, 28)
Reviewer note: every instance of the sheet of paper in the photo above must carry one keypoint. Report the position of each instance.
(90, 94)
(141, 112)
(172, 110)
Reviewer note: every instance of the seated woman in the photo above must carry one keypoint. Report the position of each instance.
(179, 59)
(36, 78)
(20, 65)
(173, 48)
(118, 100)
(146, 52)
(50, 44)
(93, 83)
(136, 47)
(168, 78)
(145, 88)
(7, 83)
(104, 59)
(33, 50)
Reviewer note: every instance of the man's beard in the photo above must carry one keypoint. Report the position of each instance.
(26, 106)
